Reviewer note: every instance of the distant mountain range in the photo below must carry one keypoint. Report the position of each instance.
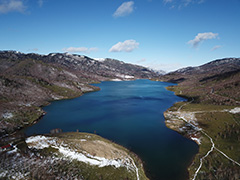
(217, 82)
(94, 69)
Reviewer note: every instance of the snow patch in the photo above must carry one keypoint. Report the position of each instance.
(197, 140)
(116, 80)
(100, 59)
(25, 104)
(125, 76)
(13, 151)
(56, 97)
(235, 110)
(129, 77)
(17, 175)
(40, 142)
(7, 115)
(92, 160)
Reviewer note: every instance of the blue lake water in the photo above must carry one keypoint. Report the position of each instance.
(129, 113)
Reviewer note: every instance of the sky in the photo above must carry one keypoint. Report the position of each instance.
(160, 34)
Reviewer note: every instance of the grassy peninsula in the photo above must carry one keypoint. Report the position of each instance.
(70, 156)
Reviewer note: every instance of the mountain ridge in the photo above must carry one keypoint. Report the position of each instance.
(216, 82)
(80, 62)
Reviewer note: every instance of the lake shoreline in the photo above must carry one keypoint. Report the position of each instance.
(18, 131)
(15, 137)
(66, 99)
(177, 125)
(143, 95)
(194, 121)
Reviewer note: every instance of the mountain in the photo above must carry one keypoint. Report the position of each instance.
(158, 71)
(29, 81)
(85, 66)
(217, 82)
(210, 117)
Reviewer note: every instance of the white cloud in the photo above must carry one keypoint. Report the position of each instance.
(187, 2)
(40, 3)
(11, 6)
(80, 49)
(216, 47)
(202, 37)
(167, 1)
(182, 3)
(125, 9)
(201, 1)
(127, 46)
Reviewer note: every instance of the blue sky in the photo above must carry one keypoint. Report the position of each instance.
(162, 34)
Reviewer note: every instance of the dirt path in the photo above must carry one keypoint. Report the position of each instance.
(181, 116)
(227, 157)
(201, 159)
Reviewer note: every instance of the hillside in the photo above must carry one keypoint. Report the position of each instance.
(217, 82)
(29, 81)
(210, 117)
(70, 156)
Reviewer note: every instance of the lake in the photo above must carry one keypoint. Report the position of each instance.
(129, 113)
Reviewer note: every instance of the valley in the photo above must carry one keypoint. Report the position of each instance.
(210, 116)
